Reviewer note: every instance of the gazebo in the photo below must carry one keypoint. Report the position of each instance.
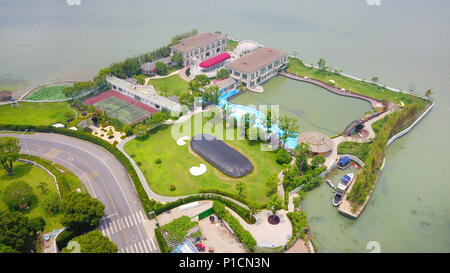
(320, 143)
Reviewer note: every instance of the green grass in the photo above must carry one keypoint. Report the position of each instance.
(52, 92)
(31, 175)
(296, 66)
(170, 86)
(360, 150)
(35, 113)
(231, 45)
(176, 161)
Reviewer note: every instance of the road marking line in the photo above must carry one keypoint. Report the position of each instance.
(149, 245)
(142, 216)
(140, 246)
(139, 219)
(131, 220)
(153, 243)
(114, 224)
(134, 219)
(126, 221)
(107, 229)
(145, 247)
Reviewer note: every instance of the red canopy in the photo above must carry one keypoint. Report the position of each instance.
(215, 60)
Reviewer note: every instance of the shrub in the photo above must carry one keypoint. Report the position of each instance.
(51, 203)
(115, 142)
(243, 235)
(162, 242)
(158, 161)
(172, 187)
(36, 224)
(283, 157)
(299, 223)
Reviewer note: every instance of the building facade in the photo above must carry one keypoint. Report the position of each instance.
(145, 94)
(200, 47)
(258, 66)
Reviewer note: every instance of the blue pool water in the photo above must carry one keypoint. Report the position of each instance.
(239, 111)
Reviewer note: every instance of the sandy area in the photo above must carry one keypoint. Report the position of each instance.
(219, 237)
(99, 132)
(298, 247)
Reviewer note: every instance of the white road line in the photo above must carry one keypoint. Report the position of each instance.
(140, 246)
(139, 219)
(153, 243)
(149, 245)
(106, 229)
(126, 221)
(145, 247)
(142, 216)
(131, 220)
(134, 218)
(114, 225)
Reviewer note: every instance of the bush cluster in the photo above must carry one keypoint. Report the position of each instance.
(243, 235)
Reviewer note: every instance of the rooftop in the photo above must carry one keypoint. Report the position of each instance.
(197, 41)
(257, 59)
(215, 60)
(319, 142)
(225, 83)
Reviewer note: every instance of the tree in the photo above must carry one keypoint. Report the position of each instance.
(140, 79)
(161, 68)
(9, 152)
(283, 157)
(51, 203)
(321, 63)
(428, 93)
(177, 58)
(276, 204)
(159, 117)
(94, 242)
(18, 195)
(222, 73)
(375, 79)
(186, 98)
(317, 161)
(81, 212)
(240, 187)
(14, 231)
(302, 151)
(202, 79)
(272, 183)
(140, 130)
(289, 127)
(36, 224)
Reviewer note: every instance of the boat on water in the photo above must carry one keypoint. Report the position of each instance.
(337, 198)
(346, 180)
(343, 163)
(330, 183)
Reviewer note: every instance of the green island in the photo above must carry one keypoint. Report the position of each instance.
(279, 178)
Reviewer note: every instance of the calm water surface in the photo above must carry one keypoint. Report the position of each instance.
(404, 43)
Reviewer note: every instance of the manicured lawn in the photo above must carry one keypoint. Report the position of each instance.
(296, 66)
(170, 86)
(39, 113)
(231, 45)
(32, 176)
(176, 161)
(52, 92)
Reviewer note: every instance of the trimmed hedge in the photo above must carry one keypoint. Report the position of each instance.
(243, 235)
(243, 212)
(162, 242)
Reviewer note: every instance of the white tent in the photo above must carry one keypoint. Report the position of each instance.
(58, 125)
(73, 128)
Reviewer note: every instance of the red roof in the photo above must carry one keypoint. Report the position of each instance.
(215, 60)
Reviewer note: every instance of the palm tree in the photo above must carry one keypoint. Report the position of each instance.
(428, 93)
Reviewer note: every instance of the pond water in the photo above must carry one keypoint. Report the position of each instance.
(315, 108)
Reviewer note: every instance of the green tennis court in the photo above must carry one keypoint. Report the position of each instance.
(122, 110)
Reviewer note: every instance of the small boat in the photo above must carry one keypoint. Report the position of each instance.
(346, 180)
(330, 183)
(355, 165)
(343, 163)
(337, 199)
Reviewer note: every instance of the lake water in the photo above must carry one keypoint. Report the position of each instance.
(315, 108)
(404, 43)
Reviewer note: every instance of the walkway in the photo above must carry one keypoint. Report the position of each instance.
(375, 103)
(161, 77)
(182, 74)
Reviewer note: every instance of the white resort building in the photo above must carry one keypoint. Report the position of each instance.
(143, 93)
(200, 47)
(257, 67)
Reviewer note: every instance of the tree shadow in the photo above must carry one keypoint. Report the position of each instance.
(18, 171)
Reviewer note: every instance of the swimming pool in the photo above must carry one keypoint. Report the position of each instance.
(239, 111)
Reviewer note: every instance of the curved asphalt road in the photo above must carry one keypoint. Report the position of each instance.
(106, 179)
